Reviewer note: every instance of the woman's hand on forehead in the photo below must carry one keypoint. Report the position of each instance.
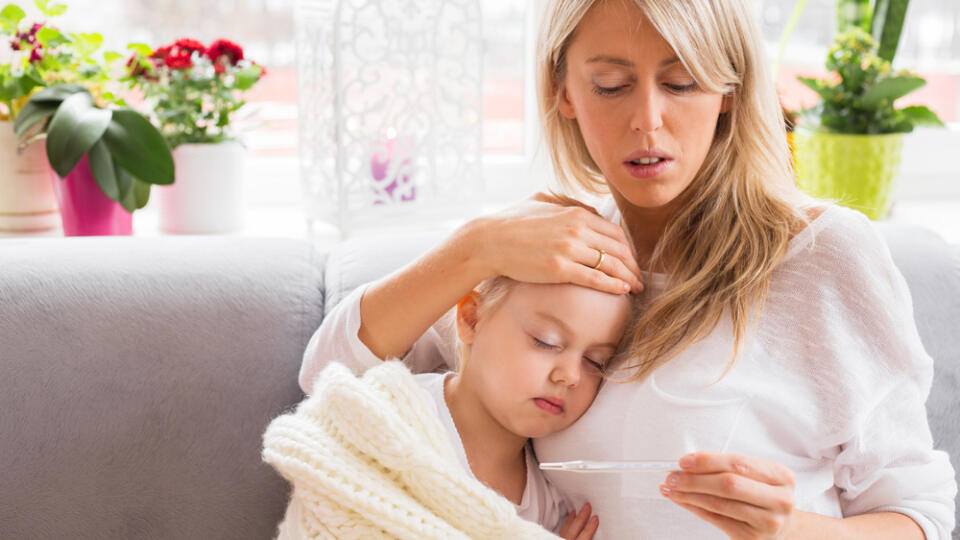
(546, 239)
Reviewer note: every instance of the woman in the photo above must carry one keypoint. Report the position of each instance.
(777, 352)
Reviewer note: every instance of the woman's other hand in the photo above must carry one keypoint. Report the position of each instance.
(579, 525)
(745, 497)
(546, 239)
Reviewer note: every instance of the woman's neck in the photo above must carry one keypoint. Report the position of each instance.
(645, 227)
(496, 455)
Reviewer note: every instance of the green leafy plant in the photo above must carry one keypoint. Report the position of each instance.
(126, 152)
(859, 96)
(42, 55)
(192, 89)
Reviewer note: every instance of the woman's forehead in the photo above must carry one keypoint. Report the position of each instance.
(618, 32)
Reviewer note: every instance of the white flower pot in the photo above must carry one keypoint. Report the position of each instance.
(207, 196)
(27, 200)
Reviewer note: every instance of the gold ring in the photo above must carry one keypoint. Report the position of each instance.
(599, 259)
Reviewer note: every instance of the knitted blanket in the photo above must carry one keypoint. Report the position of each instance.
(368, 458)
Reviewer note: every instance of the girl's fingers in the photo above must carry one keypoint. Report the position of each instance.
(577, 523)
(761, 470)
(590, 529)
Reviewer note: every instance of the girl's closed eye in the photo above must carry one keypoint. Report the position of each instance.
(594, 365)
(542, 344)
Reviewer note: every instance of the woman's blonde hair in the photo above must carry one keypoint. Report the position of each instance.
(737, 216)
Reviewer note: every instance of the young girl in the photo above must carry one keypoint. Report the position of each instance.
(530, 362)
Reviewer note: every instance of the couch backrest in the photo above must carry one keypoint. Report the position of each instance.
(137, 377)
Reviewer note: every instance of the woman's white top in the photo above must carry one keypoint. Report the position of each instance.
(540, 503)
(831, 382)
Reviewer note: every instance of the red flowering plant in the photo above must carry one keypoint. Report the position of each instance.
(40, 55)
(190, 89)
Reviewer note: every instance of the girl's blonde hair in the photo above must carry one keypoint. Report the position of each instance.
(736, 218)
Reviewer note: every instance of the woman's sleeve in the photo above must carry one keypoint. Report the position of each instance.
(887, 461)
(337, 341)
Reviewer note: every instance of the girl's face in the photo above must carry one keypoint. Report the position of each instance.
(535, 359)
(635, 103)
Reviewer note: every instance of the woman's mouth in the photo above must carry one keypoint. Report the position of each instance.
(552, 406)
(647, 167)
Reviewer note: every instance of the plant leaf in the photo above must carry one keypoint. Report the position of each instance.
(51, 37)
(887, 24)
(48, 10)
(101, 164)
(87, 44)
(31, 114)
(891, 88)
(10, 17)
(58, 93)
(141, 192)
(140, 48)
(247, 77)
(138, 147)
(75, 128)
(921, 116)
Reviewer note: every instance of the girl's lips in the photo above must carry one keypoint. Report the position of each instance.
(648, 171)
(548, 406)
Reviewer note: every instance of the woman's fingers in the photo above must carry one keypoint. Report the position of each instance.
(761, 470)
(733, 528)
(757, 517)
(732, 486)
(617, 259)
(755, 493)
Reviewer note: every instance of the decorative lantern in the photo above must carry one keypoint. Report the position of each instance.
(389, 110)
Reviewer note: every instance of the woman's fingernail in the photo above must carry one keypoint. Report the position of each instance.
(686, 461)
(673, 480)
(665, 490)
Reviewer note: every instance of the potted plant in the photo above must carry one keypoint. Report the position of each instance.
(106, 155)
(39, 55)
(848, 146)
(192, 92)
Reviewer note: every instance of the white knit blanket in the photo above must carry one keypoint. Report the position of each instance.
(368, 458)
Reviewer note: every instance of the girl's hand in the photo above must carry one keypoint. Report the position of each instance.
(550, 240)
(745, 497)
(579, 526)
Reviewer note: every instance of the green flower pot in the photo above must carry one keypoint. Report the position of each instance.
(857, 171)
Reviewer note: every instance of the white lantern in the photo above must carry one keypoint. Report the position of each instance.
(390, 110)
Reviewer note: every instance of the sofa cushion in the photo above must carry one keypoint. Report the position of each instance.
(137, 377)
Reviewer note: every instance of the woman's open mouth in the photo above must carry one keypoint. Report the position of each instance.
(647, 167)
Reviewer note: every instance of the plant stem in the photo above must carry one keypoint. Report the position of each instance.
(787, 31)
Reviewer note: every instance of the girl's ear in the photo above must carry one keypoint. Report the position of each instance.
(467, 316)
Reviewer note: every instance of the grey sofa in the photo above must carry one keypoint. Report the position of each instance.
(137, 375)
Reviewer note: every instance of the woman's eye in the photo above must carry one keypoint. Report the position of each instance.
(607, 91)
(682, 88)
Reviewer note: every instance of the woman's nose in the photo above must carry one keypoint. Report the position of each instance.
(647, 110)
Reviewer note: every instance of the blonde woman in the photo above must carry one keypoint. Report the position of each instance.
(777, 356)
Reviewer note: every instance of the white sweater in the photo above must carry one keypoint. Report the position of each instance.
(832, 383)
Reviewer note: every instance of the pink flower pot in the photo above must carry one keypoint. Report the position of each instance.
(85, 210)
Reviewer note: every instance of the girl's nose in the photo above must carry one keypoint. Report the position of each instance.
(567, 370)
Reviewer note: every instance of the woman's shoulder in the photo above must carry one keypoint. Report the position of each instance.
(835, 233)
